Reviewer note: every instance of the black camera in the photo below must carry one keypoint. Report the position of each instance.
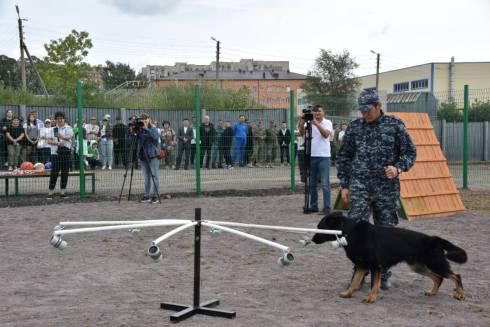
(307, 114)
(137, 124)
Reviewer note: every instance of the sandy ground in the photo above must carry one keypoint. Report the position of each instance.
(105, 279)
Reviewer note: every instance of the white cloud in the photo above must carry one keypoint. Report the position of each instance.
(144, 7)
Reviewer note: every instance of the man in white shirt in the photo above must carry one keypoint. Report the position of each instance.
(60, 138)
(321, 132)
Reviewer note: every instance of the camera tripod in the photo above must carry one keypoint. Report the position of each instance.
(306, 163)
(132, 156)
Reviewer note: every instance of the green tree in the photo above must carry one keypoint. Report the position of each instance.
(450, 112)
(332, 82)
(114, 74)
(64, 64)
(479, 111)
(9, 71)
(142, 79)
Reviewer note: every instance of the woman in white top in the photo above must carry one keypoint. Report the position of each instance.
(43, 147)
(92, 130)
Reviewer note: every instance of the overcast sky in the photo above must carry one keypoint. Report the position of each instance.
(141, 32)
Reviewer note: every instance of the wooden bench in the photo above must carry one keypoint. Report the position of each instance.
(16, 178)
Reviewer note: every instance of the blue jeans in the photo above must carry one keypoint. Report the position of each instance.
(319, 166)
(150, 190)
(239, 150)
(106, 148)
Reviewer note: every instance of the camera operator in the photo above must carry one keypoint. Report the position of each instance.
(147, 155)
(321, 131)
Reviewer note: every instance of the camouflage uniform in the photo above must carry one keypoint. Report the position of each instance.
(271, 144)
(367, 148)
(258, 155)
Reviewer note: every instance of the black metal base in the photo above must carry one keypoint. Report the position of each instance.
(186, 311)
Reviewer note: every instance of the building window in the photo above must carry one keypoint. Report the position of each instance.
(401, 87)
(269, 100)
(269, 89)
(420, 84)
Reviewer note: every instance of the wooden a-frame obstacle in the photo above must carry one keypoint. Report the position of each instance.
(428, 188)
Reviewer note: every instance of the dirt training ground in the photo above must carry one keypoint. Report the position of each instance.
(105, 278)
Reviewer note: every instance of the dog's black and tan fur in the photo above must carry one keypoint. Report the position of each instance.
(376, 248)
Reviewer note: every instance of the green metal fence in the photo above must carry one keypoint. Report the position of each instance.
(464, 141)
(205, 171)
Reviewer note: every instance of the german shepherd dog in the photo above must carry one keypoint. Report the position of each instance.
(376, 248)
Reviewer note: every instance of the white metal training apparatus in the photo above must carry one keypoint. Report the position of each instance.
(155, 253)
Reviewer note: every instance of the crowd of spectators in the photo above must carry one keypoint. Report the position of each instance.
(106, 143)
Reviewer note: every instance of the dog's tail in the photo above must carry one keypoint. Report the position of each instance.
(453, 252)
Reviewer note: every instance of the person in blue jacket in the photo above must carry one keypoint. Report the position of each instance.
(147, 155)
(240, 130)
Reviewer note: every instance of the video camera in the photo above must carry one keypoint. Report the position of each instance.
(137, 124)
(308, 114)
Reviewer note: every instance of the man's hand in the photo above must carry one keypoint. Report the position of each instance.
(345, 195)
(391, 172)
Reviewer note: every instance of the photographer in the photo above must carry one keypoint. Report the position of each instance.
(60, 139)
(147, 155)
(321, 131)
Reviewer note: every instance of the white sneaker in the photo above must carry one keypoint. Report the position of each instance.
(103, 167)
(110, 168)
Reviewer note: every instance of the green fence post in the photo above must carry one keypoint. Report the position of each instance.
(292, 157)
(80, 139)
(197, 159)
(465, 137)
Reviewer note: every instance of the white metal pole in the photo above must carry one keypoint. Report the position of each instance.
(283, 228)
(173, 232)
(246, 235)
(118, 222)
(104, 228)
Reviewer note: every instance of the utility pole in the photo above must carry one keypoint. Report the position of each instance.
(23, 47)
(217, 60)
(377, 69)
(22, 59)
